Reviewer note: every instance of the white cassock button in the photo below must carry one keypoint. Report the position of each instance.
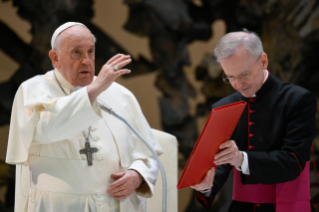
(100, 203)
(95, 138)
(93, 129)
(99, 159)
(98, 194)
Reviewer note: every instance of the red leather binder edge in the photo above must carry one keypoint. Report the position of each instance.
(205, 126)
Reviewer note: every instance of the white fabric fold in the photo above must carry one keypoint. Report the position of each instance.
(46, 123)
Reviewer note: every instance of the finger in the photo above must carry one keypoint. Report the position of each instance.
(121, 181)
(117, 183)
(121, 197)
(227, 156)
(213, 170)
(196, 187)
(118, 175)
(118, 191)
(120, 73)
(225, 159)
(226, 144)
(207, 178)
(124, 63)
(222, 153)
(114, 190)
(120, 59)
(114, 58)
(206, 182)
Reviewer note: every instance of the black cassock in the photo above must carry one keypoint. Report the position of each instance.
(276, 130)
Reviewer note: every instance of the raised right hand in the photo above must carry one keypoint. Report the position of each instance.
(108, 75)
(207, 181)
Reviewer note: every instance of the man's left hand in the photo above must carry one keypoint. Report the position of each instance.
(229, 153)
(125, 184)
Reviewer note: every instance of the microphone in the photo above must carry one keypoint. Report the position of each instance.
(108, 109)
(104, 106)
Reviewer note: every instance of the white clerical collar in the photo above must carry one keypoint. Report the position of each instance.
(64, 83)
(266, 77)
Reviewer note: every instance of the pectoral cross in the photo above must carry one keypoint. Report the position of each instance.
(88, 151)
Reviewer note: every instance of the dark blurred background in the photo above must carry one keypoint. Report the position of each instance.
(174, 74)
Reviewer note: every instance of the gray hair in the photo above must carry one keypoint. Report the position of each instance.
(231, 42)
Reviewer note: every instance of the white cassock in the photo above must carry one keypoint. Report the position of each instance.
(46, 133)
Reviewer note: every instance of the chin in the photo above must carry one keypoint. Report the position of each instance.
(85, 82)
(247, 94)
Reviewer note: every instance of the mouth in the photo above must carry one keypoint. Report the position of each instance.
(245, 89)
(85, 72)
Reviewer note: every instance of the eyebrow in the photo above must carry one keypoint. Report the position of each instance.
(80, 47)
(244, 72)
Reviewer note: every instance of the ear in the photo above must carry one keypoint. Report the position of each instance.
(54, 58)
(264, 61)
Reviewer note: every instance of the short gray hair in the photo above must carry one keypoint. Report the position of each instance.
(231, 42)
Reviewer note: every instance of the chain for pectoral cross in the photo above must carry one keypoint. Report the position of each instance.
(88, 150)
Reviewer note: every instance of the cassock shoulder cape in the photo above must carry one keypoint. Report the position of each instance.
(42, 92)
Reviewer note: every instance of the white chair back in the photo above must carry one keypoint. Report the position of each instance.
(169, 159)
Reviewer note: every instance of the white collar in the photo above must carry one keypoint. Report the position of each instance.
(64, 83)
(266, 77)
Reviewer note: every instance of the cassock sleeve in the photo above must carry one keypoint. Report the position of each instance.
(286, 164)
(148, 168)
(66, 117)
(38, 116)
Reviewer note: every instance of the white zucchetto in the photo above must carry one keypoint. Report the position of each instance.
(61, 29)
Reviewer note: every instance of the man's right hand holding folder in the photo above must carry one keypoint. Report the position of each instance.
(228, 153)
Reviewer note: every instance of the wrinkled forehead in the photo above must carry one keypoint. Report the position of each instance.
(76, 35)
(61, 29)
(239, 63)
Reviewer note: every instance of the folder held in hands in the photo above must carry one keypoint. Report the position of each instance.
(219, 127)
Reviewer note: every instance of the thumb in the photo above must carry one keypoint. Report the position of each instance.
(213, 170)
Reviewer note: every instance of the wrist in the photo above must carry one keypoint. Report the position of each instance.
(93, 92)
(204, 191)
(140, 179)
(241, 158)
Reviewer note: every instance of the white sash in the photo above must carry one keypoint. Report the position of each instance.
(72, 176)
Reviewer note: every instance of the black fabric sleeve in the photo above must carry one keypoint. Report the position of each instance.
(287, 163)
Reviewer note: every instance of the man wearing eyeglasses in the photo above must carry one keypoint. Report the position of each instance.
(269, 149)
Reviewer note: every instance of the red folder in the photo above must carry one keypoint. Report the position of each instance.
(219, 127)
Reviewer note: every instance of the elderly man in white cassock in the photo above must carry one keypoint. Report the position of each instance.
(81, 158)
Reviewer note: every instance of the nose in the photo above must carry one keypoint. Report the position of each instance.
(237, 84)
(86, 59)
